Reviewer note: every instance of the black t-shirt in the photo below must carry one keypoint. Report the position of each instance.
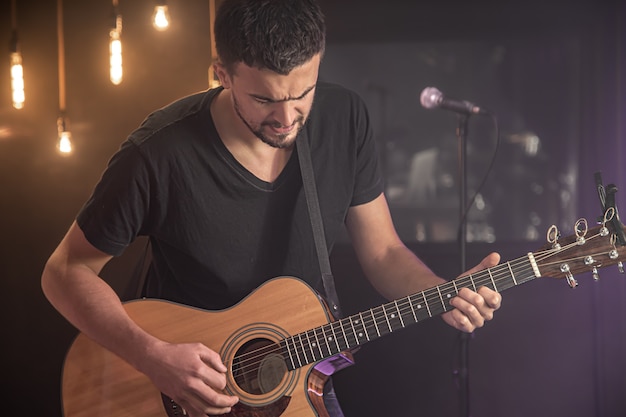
(217, 231)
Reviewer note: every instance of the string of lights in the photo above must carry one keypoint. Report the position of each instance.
(161, 21)
(17, 71)
(116, 71)
(161, 16)
(64, 143)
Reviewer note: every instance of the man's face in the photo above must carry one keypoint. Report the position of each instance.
(274, 107)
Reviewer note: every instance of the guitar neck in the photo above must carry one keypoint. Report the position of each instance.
(341, 335)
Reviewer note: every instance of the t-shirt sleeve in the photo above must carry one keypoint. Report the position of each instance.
(369, 182)
(116, 211)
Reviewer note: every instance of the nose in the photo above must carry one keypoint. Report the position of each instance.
(286, 113)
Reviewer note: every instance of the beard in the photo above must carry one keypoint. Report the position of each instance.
(275, 140)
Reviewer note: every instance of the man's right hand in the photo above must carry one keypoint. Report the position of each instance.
(190, 374)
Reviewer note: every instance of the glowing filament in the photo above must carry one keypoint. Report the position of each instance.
(64, 144)
(17, 80)
(161, 17)
(115, 58)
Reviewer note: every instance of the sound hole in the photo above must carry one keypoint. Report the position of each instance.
(258, 366)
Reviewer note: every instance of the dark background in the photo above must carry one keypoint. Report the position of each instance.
(550, 352)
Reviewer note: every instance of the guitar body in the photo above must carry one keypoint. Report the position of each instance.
(97, 383)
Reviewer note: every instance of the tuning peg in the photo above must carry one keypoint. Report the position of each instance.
(620, 267)
(581, 228)
(589, 261)
(552, 237)
(571, 281)
(595, 273)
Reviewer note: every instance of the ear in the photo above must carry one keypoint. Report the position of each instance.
(222, 75)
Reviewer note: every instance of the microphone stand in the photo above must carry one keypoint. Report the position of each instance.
(463, 371)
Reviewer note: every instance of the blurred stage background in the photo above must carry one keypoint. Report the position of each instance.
(553, 72)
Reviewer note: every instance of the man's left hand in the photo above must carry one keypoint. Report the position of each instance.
(472, 309)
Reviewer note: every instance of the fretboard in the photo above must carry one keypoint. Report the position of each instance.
(341, 335)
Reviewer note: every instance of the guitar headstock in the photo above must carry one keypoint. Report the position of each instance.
(586, 250)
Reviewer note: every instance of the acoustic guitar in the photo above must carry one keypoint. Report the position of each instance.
(281, 345)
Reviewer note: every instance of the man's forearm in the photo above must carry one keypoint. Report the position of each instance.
(398, 272)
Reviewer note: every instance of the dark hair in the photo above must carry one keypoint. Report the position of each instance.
(278, 35)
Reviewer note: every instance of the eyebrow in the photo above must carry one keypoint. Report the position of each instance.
(269, 100)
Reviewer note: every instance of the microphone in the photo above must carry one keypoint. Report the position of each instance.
(432, 98)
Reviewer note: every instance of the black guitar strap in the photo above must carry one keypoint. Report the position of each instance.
(310, 191)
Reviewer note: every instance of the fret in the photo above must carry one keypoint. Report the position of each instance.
(295, 353)
(495, 288)
(370, 323)
(473, 283)
(367, 336)
(293, 364)
(343, 332)
(443, 304)
(412, 309)
(525, 272)
(387, 319)
(323, 340)
(317, 342)
(392, 318)
(306, 359)
(336, 325)
(311, 345)
(422, 311)
(426, 304)
(456, 290)
(399, 314)
(512, 274)
(375, 312)
(356, 336)
(334, 338)
(374, 321)
(449, 292)
(351, 336)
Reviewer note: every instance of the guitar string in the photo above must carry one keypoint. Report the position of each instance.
(379, 311)
(499, 274)
(433, 296)
(430, 296)
(497, 277)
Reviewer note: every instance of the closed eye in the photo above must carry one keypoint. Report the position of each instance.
(267, 100)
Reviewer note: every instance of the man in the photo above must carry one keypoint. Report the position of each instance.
(214, 181)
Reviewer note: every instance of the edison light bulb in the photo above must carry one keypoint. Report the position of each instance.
(115, 57)
(161, 17)
(17, 80)
(64, 144)
(115, 51)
